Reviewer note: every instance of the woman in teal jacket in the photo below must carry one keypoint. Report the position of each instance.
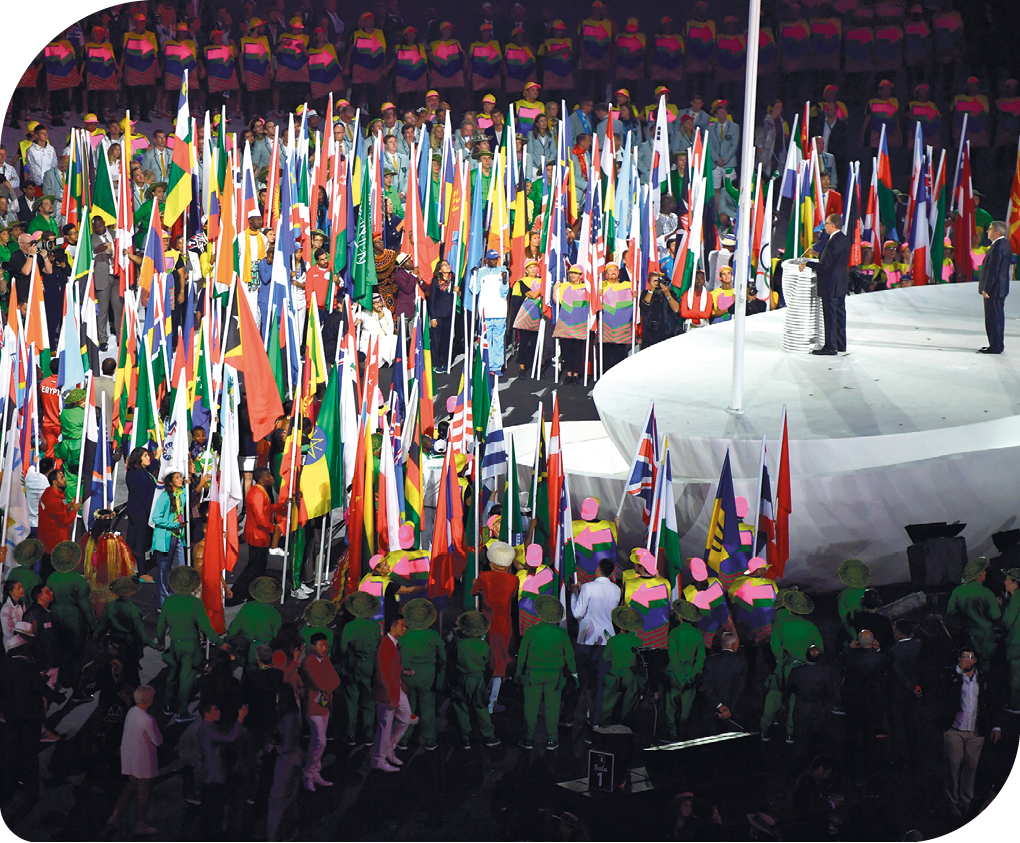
(168, 535)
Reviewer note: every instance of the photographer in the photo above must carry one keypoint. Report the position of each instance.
(20, 265)
(660, 311)
(54, 271)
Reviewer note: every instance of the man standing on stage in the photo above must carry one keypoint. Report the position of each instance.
(833, 283)
(993, 284)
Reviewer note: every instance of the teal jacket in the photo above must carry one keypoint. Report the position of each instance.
(164, 519)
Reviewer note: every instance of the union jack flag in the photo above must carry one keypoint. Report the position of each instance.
(641, 480)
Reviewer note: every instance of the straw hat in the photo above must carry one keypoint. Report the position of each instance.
(184, 579)
(65, 556)
(799, 603)
(472, 624)
(548, 608)
(320, 613)
(265, 590)
(687, 611)
(628, 619)
(500, 554)
(419, 613)
(854, 573)
(361, 604)
(28, 552)
(971, 570)
(125, 586)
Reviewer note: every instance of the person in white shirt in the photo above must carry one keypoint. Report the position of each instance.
(377, 322)
(35, 484)
(158, 157)
(489, 287)
(592, 604)
(41, 156)
(9, 172)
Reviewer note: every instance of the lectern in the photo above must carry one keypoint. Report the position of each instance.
(804, 329)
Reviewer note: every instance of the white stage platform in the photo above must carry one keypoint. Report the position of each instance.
(911, 426)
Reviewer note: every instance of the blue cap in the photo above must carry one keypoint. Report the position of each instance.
(492, 255)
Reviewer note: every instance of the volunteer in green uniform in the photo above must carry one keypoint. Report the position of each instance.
(622, 681)
(184, 618)
(122, 619)
(257, 622)
(422, 650)
(855, 575)
(72, 612)
(27, 554)
(358, 645)
(796, 634)
(467, 683)
(545, 650)
(686, 661)
(1011, 621)
(318, 616)
(978, 611)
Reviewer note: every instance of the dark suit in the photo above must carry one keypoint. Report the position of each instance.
(994, 281)
(838, 139)
(905, 675)
(833, 275)
(864, 696)
(722, 683)
(878, 625)
(813, 685)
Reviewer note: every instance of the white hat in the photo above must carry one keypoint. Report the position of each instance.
(254, 212)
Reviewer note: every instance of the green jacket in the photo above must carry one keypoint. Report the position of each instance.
(124, 618)
(1011, 619)
(257, 623)
(183, 616)
(546, 646)
(358, 645)
(71, 598)
(68, 449)
(848, 604)
(422, 648)
(686, 651)
(621, 652)
(28, 578)
(797, 635)
(166, 523)
(778, 620)
(471, 655)
(975, 604)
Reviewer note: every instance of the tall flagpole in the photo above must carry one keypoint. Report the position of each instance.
(744, 211)
(757, 498)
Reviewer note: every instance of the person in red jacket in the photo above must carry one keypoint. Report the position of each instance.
(696, 303)
(55, 516)
(393, 713)
(498, 587)
(259, 524)
(51, 406)
(320, 680)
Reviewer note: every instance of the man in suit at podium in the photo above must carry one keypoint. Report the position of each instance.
(993, 284)
(832, 269)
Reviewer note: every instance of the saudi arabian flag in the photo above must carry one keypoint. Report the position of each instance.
(364, 255)
(104, 202)
(178, 196)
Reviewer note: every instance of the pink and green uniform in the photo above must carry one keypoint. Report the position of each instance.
(529, 586)
(593, 542)
(292, 58)
(649, 596)
(826, 35)
(976, 109)
(179, 57)
(140, 58)
(667, 58)
(220, 68)
(486, 60)
(100, 66)
(376, 585)
(255, 62)
(368, 56)
(715, 611)
(447, 64)
(928, 116)
(753, 600)
(572, 319)
(61, 66)
(520, 67)
(559, 64)
(883, 113)
(596, 39)
(409, 567)
(410, 68)
(324, 73)
(617, 312)
(794, 45)
(731, 57)
(527, 113)
(700, 46)
(630, 55)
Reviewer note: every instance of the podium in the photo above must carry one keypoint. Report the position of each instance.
(804, 328)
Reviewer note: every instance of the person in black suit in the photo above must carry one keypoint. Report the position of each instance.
(722, 685)
(993, 284)
(904, 691)
(813, 684)
(864, 696)
(833, 273)
(868, 618)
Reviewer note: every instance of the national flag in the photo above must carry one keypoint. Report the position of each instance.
(493, 465)
(178, 195)
(555, 472)
(723, 549)
(72, 371)
(763, 255)
(362, 540)
(886, 200)
(937, 219)
(12, 492)
(1013, 216)
(98, 491)
(641, 481)
(104, 200)
(765, 528)
(784, 506)
(37, 332)
(363, 272)
(176, 435)
(448, 550)
(667, 536)
(329, 421)
(152, 257)
(965, 225)
(511, 526)
(413, 492)
(921, 267)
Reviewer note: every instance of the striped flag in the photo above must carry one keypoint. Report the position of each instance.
(178, 196)
(644, 467)
(493, 465)
(784, 506)
(667, 537)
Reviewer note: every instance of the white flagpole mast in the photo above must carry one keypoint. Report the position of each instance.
(757, 505)
(744, 212)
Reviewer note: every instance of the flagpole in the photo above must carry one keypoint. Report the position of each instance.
(81, 453)
(106, 489)
(744, 211)
(757, 506)
(538, 444)
(637, 450)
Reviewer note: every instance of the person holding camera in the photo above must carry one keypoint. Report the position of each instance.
(54, 272)
(20, 265)
(660, 311)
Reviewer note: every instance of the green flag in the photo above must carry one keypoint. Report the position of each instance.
(511, 529)
(276, 359)
(104, 203)
(364, 254)
(481, 395)
(329, 421)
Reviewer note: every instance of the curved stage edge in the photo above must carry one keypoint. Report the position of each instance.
(912, 426)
